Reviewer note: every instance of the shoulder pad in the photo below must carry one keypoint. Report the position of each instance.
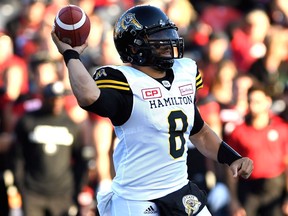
(110, 78)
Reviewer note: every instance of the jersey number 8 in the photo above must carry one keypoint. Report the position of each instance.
(175, 119)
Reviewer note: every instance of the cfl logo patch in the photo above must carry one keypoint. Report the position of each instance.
(151, 93)
(191, 204)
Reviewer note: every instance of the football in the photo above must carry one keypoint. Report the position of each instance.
(72, 25)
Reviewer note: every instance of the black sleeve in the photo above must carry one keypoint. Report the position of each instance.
(198, 122)
(116, 98)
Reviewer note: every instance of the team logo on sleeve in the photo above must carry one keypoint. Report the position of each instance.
(186, 89)
(191, 204)
(99, 74)
(150, 93)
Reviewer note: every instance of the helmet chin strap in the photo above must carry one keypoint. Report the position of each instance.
(161, 64)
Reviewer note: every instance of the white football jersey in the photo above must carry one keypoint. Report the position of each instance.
(150, 158)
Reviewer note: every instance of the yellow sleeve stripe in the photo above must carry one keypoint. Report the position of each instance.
(114, 87)
(199, 82)
(111, 82)
(199, 77)
(199, 86)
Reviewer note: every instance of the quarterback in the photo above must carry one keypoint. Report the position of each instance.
(151, 102)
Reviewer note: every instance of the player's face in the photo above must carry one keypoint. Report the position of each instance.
(164, 51)
(258, 103)
(164, 43)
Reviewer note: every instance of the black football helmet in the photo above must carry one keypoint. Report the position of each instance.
(141, 32)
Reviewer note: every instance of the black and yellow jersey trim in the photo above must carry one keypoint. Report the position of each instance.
(199, 81)
(113, 84)
(110, 78)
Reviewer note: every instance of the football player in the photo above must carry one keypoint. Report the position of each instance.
(151, 102)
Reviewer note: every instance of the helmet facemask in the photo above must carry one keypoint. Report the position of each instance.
(157, 48)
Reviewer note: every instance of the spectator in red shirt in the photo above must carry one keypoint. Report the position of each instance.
(247, 40)
(264, 138)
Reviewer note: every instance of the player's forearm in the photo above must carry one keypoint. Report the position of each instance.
(82, 84)
(207, 142)
(212, 146)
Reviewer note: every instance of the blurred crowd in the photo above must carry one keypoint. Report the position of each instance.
(237, 45)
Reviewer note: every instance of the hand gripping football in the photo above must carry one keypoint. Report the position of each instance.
(72, 25)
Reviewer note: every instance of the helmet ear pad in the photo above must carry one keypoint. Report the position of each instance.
(141, 56)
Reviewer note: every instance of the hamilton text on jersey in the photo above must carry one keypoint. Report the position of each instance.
(170, 101)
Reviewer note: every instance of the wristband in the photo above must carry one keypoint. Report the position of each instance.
(70, 54)
(226, 154)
